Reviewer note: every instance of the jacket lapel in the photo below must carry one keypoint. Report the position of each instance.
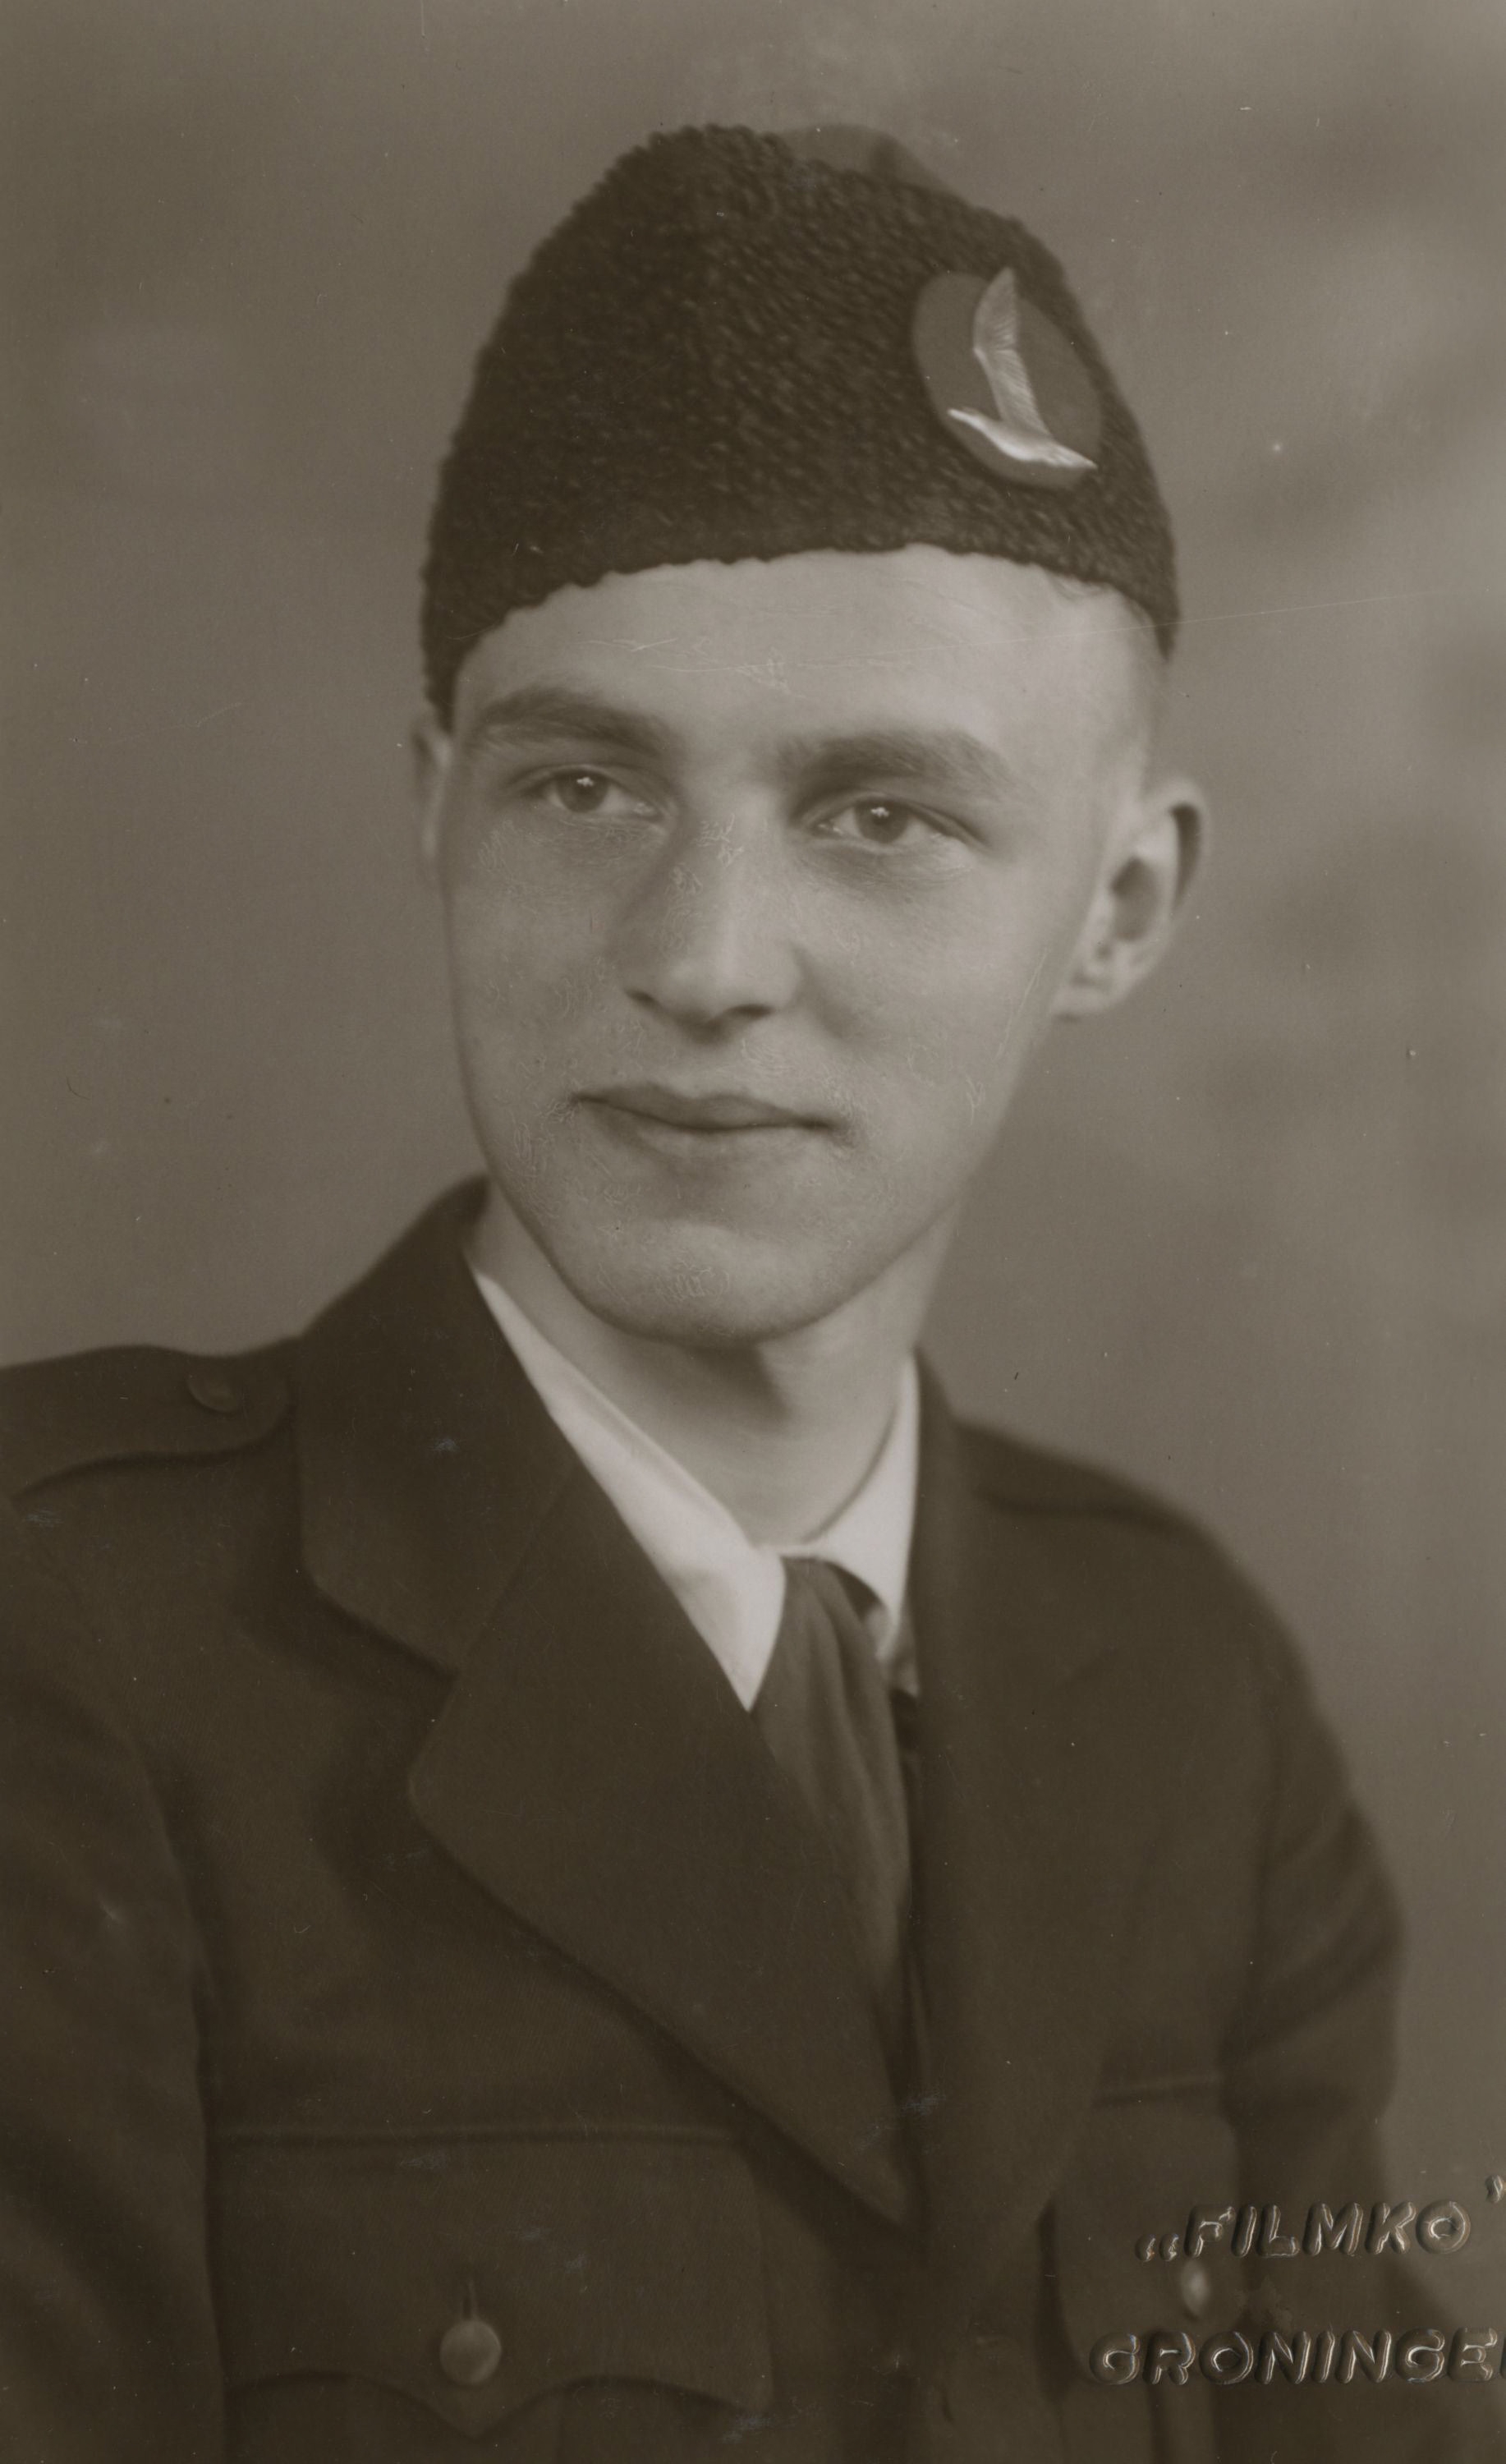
(595, 1769)
(591, 1767)
(1039, 1817)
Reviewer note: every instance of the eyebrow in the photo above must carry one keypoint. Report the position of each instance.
(817, 764)
(914, 757)
(543, 712)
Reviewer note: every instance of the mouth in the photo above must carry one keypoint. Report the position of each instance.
(719, 1113)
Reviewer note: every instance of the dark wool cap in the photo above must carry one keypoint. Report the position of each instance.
(740, 345)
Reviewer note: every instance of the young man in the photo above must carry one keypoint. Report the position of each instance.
(597, 1879)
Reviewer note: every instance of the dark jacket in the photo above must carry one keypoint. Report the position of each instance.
(430, 2029)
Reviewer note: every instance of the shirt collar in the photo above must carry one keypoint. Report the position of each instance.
(731, 1588)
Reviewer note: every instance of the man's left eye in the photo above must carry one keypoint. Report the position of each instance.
(877, 822)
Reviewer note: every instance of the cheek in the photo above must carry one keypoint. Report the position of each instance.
(955, 1012)
(518, 961)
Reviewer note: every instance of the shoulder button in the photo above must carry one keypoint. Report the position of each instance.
(134, 1404)
(214, 1391)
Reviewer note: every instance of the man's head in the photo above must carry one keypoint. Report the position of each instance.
(797, 600)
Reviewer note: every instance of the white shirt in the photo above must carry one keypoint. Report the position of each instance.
(730, 1588)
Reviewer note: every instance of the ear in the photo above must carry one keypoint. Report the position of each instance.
(430, 750)
(1151, 859)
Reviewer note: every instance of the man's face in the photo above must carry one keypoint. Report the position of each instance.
(760, 882)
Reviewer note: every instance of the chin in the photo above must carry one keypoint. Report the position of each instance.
(712, 1291)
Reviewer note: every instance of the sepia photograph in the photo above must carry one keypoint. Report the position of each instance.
(752, 1370)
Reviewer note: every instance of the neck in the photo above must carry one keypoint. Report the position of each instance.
(782, 1431)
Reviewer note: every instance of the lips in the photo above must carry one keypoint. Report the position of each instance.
(718, 1111)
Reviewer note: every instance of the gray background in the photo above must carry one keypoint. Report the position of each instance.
(1245, 1240)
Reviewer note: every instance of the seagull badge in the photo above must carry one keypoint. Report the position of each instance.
(1003, 374)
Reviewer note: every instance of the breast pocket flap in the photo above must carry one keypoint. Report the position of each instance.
(477, 2274)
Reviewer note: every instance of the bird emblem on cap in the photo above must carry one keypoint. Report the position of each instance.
(1016, 429)
(1006, 381)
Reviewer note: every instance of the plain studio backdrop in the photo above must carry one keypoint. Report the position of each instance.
(1243, 1241)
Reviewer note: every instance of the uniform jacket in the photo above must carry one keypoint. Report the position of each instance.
(430, 2029)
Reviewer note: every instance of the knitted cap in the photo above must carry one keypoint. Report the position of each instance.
(741, 346)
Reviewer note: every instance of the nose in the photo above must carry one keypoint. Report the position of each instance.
(710, 941)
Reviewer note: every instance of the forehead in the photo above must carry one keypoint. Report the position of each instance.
(823, 643)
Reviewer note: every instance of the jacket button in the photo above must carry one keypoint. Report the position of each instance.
(470, 2351)
(1196, 2287)
(214, 1391)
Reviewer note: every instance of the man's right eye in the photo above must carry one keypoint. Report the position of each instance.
(590, 795)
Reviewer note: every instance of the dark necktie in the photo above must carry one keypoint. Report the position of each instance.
(823, 1710)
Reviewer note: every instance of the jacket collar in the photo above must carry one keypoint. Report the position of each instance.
(424, 1458)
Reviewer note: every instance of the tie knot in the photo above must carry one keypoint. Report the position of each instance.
(844, 1596)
